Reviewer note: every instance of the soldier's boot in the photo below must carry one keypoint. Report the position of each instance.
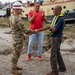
(16, 71)
(19, 68)
(28, 57)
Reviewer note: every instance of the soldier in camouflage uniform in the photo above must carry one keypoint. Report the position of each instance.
(18, 29)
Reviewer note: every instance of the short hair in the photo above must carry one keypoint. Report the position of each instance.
(59, 6)
(36, 3)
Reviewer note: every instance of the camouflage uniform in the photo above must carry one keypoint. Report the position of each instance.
(18, 30)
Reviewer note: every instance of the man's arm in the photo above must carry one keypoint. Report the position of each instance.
(31, 18)
(44, 18)
(42, 29)
(57, 25)
(53, 29)
(24, 29)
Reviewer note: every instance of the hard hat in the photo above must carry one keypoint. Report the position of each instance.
(17, 5)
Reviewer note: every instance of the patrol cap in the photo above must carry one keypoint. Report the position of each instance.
(17, 5)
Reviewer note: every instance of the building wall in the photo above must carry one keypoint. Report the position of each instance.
(48, 8)
(54, 1)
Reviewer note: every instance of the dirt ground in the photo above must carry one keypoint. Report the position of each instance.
(34, 67)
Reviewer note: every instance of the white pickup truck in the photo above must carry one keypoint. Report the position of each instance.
(2, 13)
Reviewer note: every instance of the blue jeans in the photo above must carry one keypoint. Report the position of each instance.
(32, 39)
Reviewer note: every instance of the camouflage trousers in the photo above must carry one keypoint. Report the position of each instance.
(56, 57)
(17, 47)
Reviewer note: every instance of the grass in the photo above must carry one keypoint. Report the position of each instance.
(4, 22)
(27, 23)
(68, 30)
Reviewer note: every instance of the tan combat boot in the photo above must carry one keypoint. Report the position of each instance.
(18, 68)
(16, 71)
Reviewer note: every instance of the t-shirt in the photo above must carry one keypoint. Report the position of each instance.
(37, 23)
(59, 26)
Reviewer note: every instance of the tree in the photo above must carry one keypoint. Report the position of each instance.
(1, 5)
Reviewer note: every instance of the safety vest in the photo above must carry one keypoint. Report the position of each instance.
(54, 21)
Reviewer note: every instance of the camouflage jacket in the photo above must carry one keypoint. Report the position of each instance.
(18, 27)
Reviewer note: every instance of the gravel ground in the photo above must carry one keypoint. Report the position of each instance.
(33, 67)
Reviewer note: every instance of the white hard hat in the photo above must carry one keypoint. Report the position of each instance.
(17, 5)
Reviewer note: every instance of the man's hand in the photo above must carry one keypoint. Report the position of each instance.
(43, 13)
(36, 31)
(34, 14)
(31, 19)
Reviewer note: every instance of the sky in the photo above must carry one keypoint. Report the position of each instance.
(4, 1)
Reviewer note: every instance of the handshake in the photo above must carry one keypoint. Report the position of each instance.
(37, 30)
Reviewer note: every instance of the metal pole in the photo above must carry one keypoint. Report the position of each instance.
(10, 12)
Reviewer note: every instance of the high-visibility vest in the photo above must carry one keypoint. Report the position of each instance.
(54, 21)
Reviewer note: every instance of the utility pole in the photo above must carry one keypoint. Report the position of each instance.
(9, 12)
